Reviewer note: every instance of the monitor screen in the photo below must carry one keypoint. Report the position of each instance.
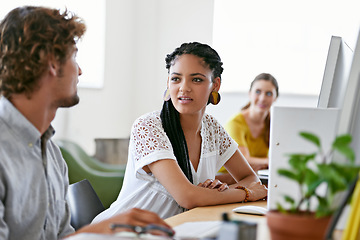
(349, 120)
(338, 112)
(336, 74)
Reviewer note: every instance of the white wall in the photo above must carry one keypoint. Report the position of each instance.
(289, 39)
(139, 34)
(232, 102)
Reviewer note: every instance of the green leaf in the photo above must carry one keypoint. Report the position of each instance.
(324, 208)
(280, 208)
(322, 201)
(347, 151)
(311, 188)
(312, 181)
(312, 138)
(342, 140)
(295, 161)
(299, 161)
(335, 180)
(289, 199)
(335, 175)
(289, 174)
(347, 171)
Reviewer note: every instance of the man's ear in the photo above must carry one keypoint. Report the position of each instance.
(53, 67)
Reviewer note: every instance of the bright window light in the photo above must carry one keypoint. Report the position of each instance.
(289, 39)
(91, 54)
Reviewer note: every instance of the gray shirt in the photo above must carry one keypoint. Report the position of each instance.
(33, 180)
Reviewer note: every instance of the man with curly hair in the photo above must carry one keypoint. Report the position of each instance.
(39, 74)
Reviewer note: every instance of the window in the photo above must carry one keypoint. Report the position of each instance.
(289, 39)
(91, 55)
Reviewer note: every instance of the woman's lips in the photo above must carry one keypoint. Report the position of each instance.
(183, 99)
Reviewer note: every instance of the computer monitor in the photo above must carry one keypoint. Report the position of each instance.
(349, 120)
(337, 112)
(336, 74)
(286, 123)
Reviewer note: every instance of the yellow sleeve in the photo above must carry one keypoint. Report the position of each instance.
(223, 170)
(237, 129)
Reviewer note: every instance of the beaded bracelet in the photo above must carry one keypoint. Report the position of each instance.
(246, 192)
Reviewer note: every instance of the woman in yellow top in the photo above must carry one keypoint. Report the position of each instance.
(251, 127)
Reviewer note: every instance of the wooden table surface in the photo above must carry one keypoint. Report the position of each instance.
(213, 213)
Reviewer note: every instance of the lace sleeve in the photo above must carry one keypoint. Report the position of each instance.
(218, 139)
(149, 137)
(225, 140)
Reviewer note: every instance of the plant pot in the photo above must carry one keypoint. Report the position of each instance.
(296, 226)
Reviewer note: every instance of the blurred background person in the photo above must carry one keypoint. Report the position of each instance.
(250, 128)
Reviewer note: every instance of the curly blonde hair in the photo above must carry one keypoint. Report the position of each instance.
(29, 37)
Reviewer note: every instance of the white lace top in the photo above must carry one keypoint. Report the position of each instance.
(149, 143)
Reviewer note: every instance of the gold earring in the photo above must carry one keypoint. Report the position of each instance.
(166, 95)
(214, 98)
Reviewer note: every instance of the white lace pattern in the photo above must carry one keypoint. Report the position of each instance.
(149, 143)
(149, 136)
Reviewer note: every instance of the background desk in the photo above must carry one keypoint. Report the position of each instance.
(213, 213)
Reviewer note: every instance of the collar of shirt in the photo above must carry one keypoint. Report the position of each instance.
(20, 126)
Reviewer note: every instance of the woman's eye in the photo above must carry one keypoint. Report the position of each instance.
(269, 94)
(197, 80)
(175, 79)
(257, 91)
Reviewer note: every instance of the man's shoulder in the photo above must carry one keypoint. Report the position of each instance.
(9, 144)
(5, 131)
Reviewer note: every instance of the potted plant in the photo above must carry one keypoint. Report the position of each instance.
(287, 221)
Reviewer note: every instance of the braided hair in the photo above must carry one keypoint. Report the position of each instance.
(170, 117)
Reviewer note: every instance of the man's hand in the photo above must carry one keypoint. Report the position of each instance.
(135, 217)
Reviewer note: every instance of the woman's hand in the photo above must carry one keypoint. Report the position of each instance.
(212, 184)
(257, 191)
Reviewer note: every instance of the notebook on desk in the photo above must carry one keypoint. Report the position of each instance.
(263, 173)
(264, 176)
(197, 230)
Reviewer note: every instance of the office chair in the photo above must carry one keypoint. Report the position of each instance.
(84, 203)
(78, 152)
(107, 184)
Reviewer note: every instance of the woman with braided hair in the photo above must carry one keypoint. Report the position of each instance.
(175, 153)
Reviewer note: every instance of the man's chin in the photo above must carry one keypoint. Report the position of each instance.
(69, 102)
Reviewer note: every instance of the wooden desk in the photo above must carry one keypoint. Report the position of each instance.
(213, 213)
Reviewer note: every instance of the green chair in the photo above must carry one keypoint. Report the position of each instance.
(92, 162)
(106, 181)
